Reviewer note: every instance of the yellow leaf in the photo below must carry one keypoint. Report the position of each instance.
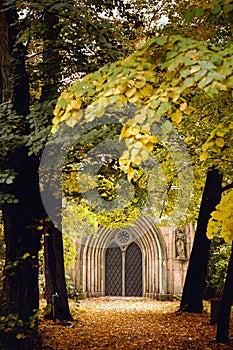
(135, 130)
(130, 174)
(76, 104)
(25, 255)
(21, 336)
(220, 142)
(56, 121)
(145, 139)
(177, 116)
(108, 93)
(140, 83)
(130, 92)
(124, 163)
(220, 132)
(149, 74)
(146, 90)
(134, 99)
(77, 114)
(175, 93)
(99, 111)
(71, 121)
(103, 101)
(183, 106)
(134, 152)
(149, 146)
(207, 145)
(195, 69)
(136, 160)
(204, 156)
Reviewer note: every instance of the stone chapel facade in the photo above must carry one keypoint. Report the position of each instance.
(139, 260)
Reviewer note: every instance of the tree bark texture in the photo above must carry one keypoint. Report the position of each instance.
(55, 283)
(6, 84)
(20, 286)
(192, 298)
(20, 294)
(56, 292)
(225, 309)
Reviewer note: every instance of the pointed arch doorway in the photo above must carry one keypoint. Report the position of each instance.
(123, 270)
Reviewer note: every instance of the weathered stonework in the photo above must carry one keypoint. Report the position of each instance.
(161, 261)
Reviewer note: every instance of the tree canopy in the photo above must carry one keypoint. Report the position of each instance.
(163, 86)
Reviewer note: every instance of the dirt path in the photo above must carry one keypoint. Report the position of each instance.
(131, 323)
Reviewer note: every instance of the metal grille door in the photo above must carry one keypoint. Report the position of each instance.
(113, 270)
(133, 271)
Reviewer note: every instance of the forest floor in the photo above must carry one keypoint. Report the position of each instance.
(131, 323)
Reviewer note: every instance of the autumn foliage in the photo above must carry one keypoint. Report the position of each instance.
(126, 323)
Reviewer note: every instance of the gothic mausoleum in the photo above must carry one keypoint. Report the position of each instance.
(139, 260)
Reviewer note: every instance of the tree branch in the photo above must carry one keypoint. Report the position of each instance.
(227, 187)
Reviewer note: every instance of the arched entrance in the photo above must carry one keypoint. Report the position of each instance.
(130, 261)
(123, 270)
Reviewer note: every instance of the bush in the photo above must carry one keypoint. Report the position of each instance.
(217, 267)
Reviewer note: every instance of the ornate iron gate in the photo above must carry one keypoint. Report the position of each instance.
(113, 270)
(130, 267)
(133, 271)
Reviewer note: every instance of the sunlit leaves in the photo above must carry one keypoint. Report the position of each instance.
(160, 80)
(193, 64)
(132, 323)
(221, 218)
(220, 139)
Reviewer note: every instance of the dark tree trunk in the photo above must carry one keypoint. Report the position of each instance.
(192, 298)
(20, 293)
(55, 284)
(20, 286)
(56, 293)
(225, 310)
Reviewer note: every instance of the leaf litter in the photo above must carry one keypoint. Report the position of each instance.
(116, 323)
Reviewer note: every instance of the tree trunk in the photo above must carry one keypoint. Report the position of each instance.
(55, 284)
(20, 286)
(56, 293)
(195, 279)
(20, 293)
(225, 310)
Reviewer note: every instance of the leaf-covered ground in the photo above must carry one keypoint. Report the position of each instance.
(131, 323)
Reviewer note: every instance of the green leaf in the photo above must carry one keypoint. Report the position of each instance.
(161, 41)
(205, 81)
(167, 127)
(9, 181)
(62, 103)
(188, 82)
(216, 10)
(228, 8)
(207, 65)
(198, 12)
(200, 74)
(216, 59)
(185, 73)
(211, 91)
(216, 76)
(163, 108)
(188, 16)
